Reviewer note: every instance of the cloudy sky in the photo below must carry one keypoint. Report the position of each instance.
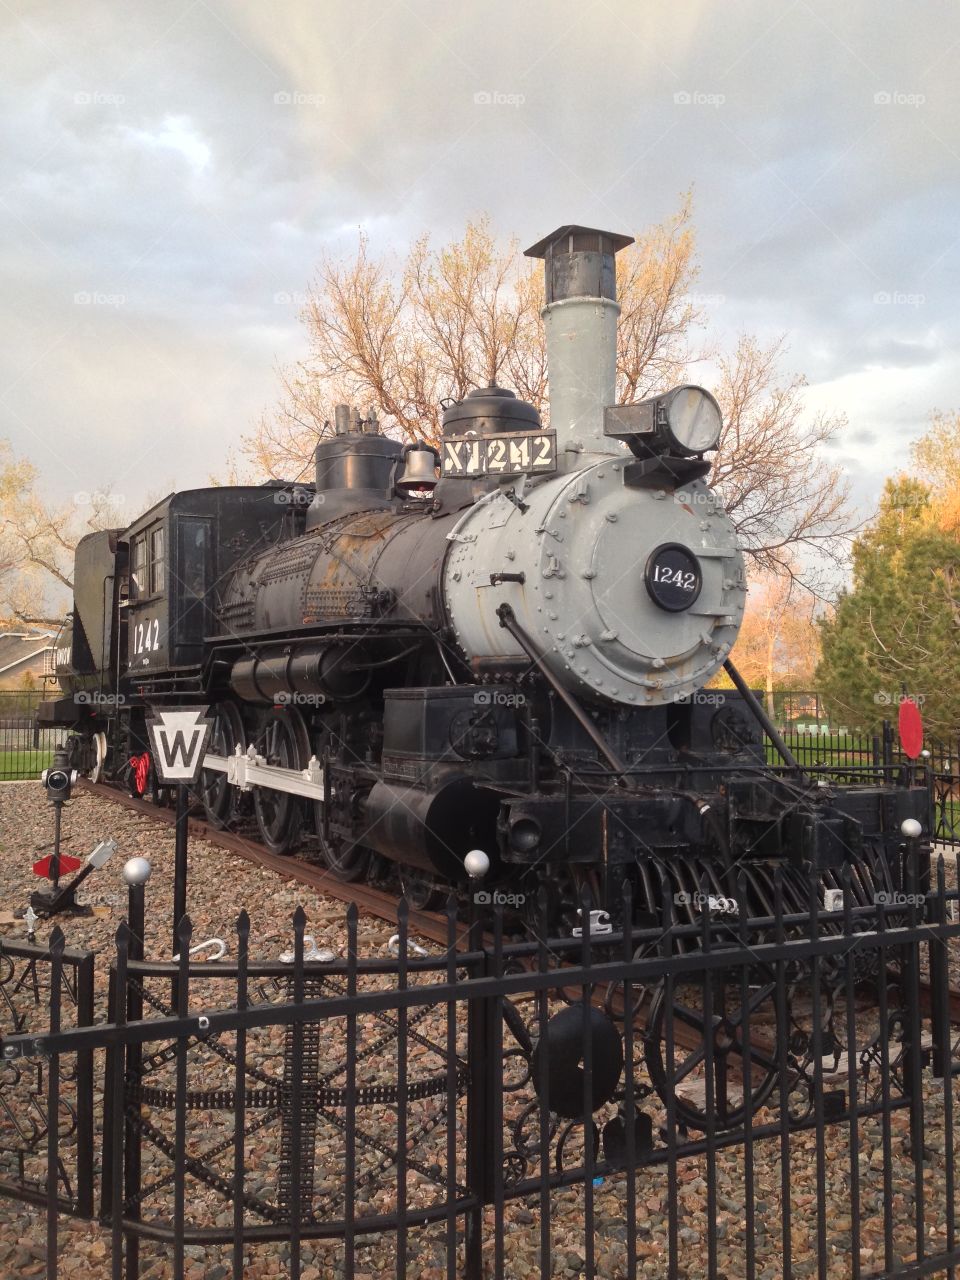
(171, 171)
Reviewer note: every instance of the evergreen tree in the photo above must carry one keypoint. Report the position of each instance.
(898, 627)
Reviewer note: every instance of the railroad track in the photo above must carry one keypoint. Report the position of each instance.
(377, 902)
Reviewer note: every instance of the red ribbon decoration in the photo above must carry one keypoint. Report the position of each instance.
(141, 771)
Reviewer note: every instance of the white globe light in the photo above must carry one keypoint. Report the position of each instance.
(476, 864)
(137, 871)
(911, 828)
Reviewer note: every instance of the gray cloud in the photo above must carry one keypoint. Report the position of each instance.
(185, 164)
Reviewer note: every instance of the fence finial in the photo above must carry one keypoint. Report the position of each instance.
(476, 864)
(137, 871)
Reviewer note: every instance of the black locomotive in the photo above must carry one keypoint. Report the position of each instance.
(504, 645)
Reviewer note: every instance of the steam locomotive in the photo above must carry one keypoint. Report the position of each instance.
(502, 644)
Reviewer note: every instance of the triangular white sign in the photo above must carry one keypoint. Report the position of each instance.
(178, 738)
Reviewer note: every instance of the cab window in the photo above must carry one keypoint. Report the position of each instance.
(138, 568)
(157, 561)
(193, 575)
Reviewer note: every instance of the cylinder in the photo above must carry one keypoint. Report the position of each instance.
(328, 672)
(433, 830)
(311, 673)
(261, 679)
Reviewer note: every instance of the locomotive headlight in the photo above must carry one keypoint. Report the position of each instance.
(692, 419)
(685, 421)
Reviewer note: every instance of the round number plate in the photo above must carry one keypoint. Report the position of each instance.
(673, 577)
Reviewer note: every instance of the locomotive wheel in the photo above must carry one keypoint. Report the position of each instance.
(348, 862)
(345, 860)
(421, 892)
(688, 1080)
(215, 792)
(99, 744)
(283, 741)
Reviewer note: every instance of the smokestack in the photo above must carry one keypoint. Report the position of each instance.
(580, 318)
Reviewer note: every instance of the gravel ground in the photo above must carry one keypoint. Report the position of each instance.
(220, 885)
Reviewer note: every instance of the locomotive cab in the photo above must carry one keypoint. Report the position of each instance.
(178, 553)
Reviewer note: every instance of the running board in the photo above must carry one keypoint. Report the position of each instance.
(248, 770)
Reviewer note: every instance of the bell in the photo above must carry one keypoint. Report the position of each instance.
(419, 468)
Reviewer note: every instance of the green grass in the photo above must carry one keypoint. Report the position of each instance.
(830, 750)
(951, 817)
(25, 765)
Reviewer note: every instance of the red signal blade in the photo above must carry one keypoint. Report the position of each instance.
(910, 725)
(67, 864)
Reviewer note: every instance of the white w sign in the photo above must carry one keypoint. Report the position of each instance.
(178, 736)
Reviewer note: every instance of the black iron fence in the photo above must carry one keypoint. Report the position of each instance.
(25, 748)
(43, 991)
(716, 1093)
